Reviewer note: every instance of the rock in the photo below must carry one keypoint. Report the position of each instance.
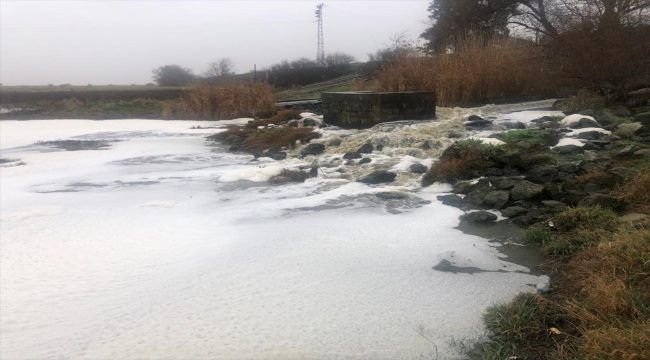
(492, 172)
(481, 184)
(366, 149)
(430, 144)
(569, 148)
(378, 177)
(507, 184)
(309, 122)
(587, 123)
(380, 147)
(364, 161)
(542, 174)
(498, 198)
(619, 111)
(553, 191)
(479, 216)
(643, 118)
(573, 197)
(476, 197)
(416, 153)
(569, 184)
(334, 142)
(275, 155)
(642, 153)
(313, 172)
(525, 190)
(627, 151)
(590, 135)
(537, 214)
(591, 188)
(293, 123)
(350, 163)
(313, 149)
(513, 211)
(567, 167)
(478, 123)
(553, 206)
(623, 173)
(635, 128)
(462, 187)
(418, 168)
(602, 200)
(634, 219)
(451, 200)
(352, 155)
(591, 146)
(392, 195)
(454, 135)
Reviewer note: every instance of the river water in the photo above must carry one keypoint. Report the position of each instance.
(166, 246)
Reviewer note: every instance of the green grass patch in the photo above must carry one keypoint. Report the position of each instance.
(531, 136)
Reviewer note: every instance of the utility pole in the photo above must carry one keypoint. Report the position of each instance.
(320, 52)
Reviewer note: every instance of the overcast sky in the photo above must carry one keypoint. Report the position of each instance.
(120, 42)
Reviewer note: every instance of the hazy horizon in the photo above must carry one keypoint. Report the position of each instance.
(120, 42)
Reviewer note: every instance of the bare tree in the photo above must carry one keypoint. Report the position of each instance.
(221, 67)
(338, 58)
(303, 63)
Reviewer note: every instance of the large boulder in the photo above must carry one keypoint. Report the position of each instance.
(313, 149)
(602, 200)
(498, 199)
(378, 177)
(476, 197)
(632, 128)
(643, 118)
(275, 155)
(553, 206)
(451, 200)
(525, 190)
(542, 174)
(365, 161)
(623, 173)
(513, 211)
(635, 219)
(477, 121)
(479, 216)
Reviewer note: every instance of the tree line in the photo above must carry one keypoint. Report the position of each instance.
(176, 75)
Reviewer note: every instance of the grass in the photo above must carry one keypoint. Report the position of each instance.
(531, 136)
(230, 101)
(287, 176)
(583, 100)
(253, 140)
(636, 193)
(597, 176)
(75, 145)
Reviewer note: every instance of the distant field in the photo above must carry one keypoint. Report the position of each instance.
(85, 88)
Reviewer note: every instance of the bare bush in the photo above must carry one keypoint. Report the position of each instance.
(230, 101)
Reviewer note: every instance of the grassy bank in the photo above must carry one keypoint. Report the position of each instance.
(598, 306)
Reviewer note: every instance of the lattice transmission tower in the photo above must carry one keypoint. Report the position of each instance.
(320, 49)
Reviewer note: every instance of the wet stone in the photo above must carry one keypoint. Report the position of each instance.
(479, 216)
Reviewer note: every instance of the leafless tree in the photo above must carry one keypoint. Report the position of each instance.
(338, 58)
(303, 63)
(221, 67)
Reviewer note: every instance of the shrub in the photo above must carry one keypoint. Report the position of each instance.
(531, 136)
(287, 175)
(280, 116)
(254, 140)
(229, 101)
(598, 177)
(583, 100)
(459, 161)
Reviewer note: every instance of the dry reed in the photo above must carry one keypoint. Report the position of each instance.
(230, 101)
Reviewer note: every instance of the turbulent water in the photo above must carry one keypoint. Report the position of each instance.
(165, 246)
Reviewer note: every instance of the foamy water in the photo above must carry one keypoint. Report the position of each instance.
(164, 247)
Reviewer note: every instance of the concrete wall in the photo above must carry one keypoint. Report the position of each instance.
(365, 109)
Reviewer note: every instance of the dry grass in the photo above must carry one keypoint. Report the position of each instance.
(253, 140)
(598, 177)
(477, 71)
(636, 192)
(230, 101)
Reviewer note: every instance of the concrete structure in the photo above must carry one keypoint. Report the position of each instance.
(365, 109)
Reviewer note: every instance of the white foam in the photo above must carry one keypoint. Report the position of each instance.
(160, 253)
(488, 141)
(577, 132)
(569, 141)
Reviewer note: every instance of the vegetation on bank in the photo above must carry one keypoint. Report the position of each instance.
(598, 306)
(254, 140)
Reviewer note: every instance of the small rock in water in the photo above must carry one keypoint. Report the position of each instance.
(418, 168)
(364, 161)
(309, 122)
(391, 195)
(313, 149)
(352, 155)
(313, 172)
(378, 177)
(366, 149)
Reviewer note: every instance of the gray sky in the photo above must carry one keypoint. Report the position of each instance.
(120, 42)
